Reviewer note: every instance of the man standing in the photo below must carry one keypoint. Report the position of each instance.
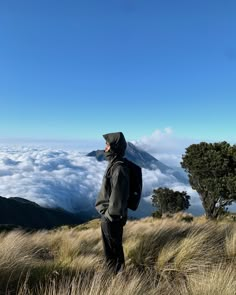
(111, 202)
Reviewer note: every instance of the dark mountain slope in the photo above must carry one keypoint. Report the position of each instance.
(27, 214)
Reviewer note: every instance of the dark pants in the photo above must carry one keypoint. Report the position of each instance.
(112, 233)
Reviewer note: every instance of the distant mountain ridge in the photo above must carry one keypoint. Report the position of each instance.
(15, 212)
(146, 161)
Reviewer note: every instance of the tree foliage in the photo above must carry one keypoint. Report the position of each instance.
(169, 201)
(211, 169)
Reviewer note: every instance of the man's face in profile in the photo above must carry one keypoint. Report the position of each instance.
(107, 148)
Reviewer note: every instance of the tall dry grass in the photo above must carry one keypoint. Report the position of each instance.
(162, 257)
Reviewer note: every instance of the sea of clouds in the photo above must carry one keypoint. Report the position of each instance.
(59, 174)
(66, 178)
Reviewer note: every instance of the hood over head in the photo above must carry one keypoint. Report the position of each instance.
(117, 142)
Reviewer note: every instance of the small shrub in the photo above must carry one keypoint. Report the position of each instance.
(156, 214)
(183, 216)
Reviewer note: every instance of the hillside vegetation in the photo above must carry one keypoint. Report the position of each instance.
(163, 256)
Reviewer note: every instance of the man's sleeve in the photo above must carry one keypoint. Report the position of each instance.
(119, 193)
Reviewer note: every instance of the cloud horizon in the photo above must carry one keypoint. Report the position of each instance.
(67, 178)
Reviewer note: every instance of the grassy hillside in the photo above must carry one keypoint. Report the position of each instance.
(163, 257)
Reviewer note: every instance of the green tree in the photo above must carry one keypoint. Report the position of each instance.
(211, 169)
(169, 201)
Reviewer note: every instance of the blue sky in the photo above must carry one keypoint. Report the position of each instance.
(78, 69)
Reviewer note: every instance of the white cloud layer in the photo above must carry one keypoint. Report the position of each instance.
(68, 179)
(166, 147)
(65, 177)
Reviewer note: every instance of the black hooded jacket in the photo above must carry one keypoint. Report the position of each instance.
(113, 196)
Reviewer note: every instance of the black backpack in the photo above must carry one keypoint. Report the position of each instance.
(135, 183)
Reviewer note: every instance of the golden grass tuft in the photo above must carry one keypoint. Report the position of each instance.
(163, 256)
(230, 246)
(219, 280)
